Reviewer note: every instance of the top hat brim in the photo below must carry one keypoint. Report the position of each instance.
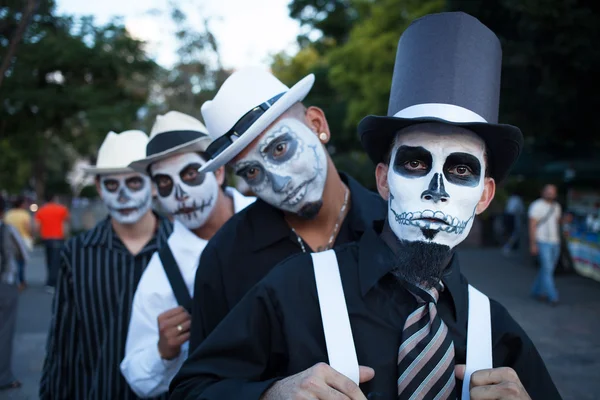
(503, 142)
(198, 145)
(295, 94)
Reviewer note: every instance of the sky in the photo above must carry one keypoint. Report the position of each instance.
(247, 31)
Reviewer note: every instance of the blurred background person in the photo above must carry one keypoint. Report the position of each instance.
(513, 221)
(20, 218)
(9, 297)
(544, 238)
(51, 219)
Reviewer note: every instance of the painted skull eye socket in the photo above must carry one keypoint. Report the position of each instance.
(462, 170)
(164, 184)
(190, 175)
(253, 174)
(112, 185)
(415, 165)
(135, 183)
(279, 149)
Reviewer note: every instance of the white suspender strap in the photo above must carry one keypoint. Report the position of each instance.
(334, 315)
(479, 337)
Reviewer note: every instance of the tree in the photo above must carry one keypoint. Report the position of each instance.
(17, 35)
(72, 82)
(361, 69)
(332, 18)
(196, 75)
(550, 68)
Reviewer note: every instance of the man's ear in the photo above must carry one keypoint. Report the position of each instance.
(381, 176)
(220, 175)
(316, 120)
(489, 190)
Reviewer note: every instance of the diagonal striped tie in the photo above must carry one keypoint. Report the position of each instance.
(426, 355)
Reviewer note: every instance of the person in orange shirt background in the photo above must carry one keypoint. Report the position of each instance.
(50, 220)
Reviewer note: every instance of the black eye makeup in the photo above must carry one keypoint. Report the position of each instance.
(190, 175)
(462, 169)
(412, 162)
(111, 185)
(164, 184)
(281, 149)
(252, 173)
(134, 183)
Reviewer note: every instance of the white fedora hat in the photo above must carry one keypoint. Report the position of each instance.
(117, 151)
(172, 133)
(245, 105)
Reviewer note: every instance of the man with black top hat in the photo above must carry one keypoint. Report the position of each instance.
(392, 317)
(277, 145)
(200, 204)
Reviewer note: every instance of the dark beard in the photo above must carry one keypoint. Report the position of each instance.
(310, 210)
(420, 263)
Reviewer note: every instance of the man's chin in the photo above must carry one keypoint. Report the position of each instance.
(310, 210)
(421, 263)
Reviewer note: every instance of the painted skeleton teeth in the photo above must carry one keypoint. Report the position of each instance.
(451, 225)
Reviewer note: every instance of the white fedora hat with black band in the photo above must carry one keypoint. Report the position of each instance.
(172, 133)
(245, 105)
(117, 151)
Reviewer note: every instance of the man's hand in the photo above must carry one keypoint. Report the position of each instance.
(319, 382)
(174, 330)
(494, 384)
(533, 249)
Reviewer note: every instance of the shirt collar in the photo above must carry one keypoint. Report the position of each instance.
(376, 259)
(365, 207)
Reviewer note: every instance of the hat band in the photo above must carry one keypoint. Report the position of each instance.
(447, 112)
(221, 143)
(167, 140)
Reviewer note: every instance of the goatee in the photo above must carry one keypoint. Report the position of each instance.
(310, 210)
(420, 263)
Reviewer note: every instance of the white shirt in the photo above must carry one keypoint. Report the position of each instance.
(146, 372)
(546, 230)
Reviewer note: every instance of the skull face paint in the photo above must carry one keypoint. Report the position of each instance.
(127, 196)
(287, 168)
(436, 179)
(190, 196)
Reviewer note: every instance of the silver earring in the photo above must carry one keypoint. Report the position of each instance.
(323, 136)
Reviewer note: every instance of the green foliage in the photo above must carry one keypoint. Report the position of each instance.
(361, 69)
(70, 82)
(550, 67)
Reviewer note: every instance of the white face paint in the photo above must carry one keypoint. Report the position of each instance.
(435, 181)
(128, 197)
(287, 168)
(190, 196)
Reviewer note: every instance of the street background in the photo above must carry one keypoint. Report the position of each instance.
(566, 336)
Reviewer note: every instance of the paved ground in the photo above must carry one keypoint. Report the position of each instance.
(568, 336)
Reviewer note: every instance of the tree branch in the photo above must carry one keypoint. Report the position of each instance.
(14, 42)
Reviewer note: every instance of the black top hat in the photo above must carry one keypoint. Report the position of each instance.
(447, 70)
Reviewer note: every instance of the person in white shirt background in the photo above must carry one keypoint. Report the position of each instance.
(159, 329)
(513, 214)
(544, 237)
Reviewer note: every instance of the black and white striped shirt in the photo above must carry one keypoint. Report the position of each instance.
(96, 283)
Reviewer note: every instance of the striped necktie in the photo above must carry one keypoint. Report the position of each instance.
(426, 355)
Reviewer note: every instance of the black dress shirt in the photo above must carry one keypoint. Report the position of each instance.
(90, 315)
(276, 330)
(251, 243)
